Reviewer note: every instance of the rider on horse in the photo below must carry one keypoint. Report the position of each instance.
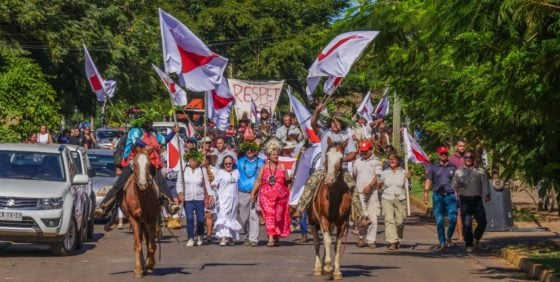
(142, 135)
(338, 132)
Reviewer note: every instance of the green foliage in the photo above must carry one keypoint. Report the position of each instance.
(480, 70)
(27, 100)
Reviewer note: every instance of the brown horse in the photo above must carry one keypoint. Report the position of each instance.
(330, 209)
(140, 204)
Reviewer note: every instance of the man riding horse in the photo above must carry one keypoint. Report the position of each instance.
(140, 135)
(338, 133)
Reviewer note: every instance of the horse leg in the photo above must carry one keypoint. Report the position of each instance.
(317, 244)
(138, 256)
(327, 241)
(150, 247)
(341, 230)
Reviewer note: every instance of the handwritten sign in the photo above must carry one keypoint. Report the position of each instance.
(265, 95)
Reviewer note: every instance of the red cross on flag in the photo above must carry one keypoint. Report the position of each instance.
(414, 152)
(178, 95)
(99, 86)
(220, 100)
(199, 68)
(336, 59)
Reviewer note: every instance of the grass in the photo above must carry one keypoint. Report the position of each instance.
(544, 253)
(524, 215)
(417, 191)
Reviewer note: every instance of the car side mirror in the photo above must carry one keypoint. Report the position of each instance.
(91, 172)
(80, 179)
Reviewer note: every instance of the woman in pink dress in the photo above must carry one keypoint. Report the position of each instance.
(273, 194)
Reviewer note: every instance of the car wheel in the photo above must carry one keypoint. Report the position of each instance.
(70, 241)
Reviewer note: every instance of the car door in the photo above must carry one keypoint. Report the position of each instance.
(78, 190)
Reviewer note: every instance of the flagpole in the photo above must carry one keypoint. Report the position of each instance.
(406, 184)
(205, 116)
(107, 98)
(176, 125)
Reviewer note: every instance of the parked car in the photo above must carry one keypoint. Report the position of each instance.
(44, 197)
(105, 137)
(105, 172)
(84, 167)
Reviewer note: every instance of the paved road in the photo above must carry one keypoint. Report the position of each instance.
(109, 258)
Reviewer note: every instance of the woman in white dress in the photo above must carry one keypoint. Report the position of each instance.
(227, 227)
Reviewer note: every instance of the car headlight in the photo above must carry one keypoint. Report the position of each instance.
(50, 203)
(103, 190)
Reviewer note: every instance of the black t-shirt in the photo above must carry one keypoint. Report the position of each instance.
(74, 140)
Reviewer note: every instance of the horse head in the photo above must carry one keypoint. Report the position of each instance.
(141, 168)
(334, 159)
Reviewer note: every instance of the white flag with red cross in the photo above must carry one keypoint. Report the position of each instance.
(303, 116)
(414, 152)
(366, 108)
(220, 100)
(199, 68)
(178, 95)
(336, 59)
(101, 87)
(382, 109)
(174, 153)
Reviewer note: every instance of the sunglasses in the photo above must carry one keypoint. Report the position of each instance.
(468, 157)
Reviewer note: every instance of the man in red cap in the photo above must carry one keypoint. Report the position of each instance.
(365, 170)
(444, 198)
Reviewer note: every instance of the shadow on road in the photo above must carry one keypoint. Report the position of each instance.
(158, 271)
(225, 264)
(361, 270)
(499, 273)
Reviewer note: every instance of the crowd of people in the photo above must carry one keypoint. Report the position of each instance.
(232, 181)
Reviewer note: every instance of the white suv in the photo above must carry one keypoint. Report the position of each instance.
(44, 197)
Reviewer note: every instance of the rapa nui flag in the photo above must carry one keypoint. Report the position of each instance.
(175, 151)
(366, 107)
(336, 59)
(414, 152)
(101, 87)
(220, 100)
(303, 116)
(199, 68)
(382, 109)
(178, 95)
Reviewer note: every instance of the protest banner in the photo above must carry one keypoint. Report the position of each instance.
(263, 94)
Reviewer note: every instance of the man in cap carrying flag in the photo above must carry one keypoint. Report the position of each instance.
(337, 133)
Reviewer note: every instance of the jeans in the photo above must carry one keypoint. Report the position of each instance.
(192, 207)
(445, 204)
(303, 224)
(472, 207)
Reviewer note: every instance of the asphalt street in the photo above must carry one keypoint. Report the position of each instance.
(109, 257)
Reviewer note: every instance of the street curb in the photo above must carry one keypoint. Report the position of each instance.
(535, 270)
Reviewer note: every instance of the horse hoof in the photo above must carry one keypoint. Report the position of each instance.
(317, 273)
(337, 276)
(138, 275)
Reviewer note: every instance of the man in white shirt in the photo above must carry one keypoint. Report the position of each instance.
(365, 170)
(288, 131)
(221, 151)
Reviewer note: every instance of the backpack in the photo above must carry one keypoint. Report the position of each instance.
(119, 151)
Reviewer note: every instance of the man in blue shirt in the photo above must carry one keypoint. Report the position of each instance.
(248, 166)
(444, 198)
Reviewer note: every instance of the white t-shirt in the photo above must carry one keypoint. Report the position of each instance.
(393, 184)
(42, 138)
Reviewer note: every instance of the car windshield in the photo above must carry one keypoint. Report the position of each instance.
(103, 165)
(107, 134)
(31, 165)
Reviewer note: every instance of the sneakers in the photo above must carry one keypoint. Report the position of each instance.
(373, 246)
(199, 241)
(392, 247)
(254, 244)
(469, 249)
(190, 243)
(361, 242)
(223, 241)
